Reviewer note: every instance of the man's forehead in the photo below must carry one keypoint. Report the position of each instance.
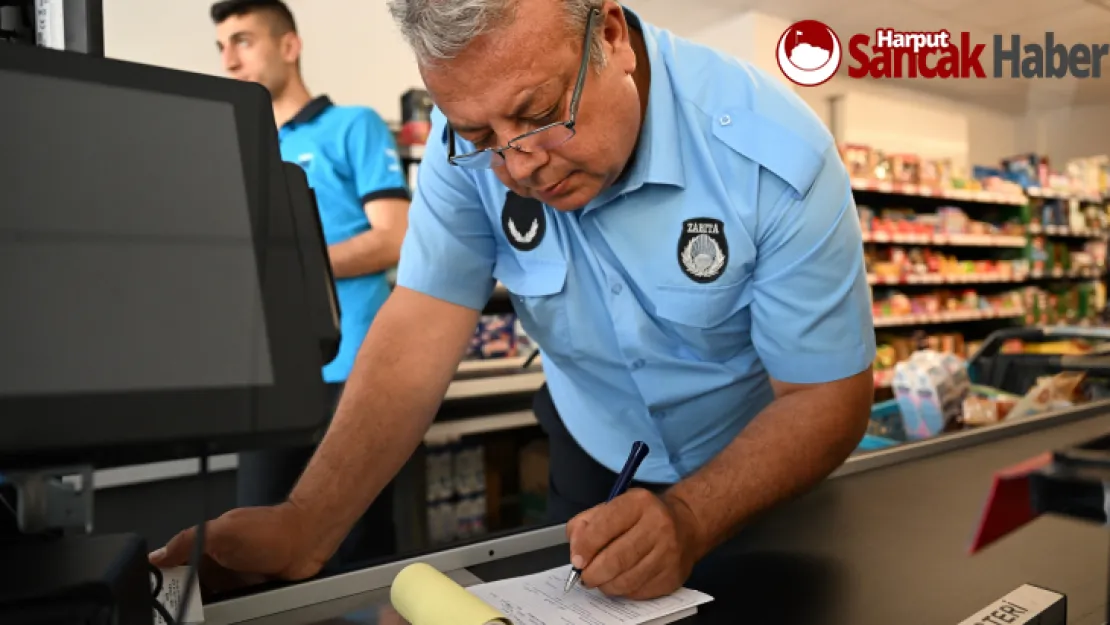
(248, 23)
(473, 109)
(488, 83)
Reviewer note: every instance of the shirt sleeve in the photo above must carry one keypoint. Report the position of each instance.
(811, 305)
(449, 250)
(372, 153)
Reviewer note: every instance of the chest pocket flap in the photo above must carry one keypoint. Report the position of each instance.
(785, 152)
(532, 278)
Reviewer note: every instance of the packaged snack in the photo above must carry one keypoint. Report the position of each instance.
(857, 160)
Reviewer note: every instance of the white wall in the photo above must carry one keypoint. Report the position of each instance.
(352, 50)
(1066, 133)
(901, 120)
(354, 53)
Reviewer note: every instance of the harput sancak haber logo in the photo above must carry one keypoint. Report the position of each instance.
(809, 53)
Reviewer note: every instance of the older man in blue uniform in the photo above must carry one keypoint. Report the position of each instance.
(678, 234)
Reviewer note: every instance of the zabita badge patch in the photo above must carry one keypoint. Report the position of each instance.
(523, 221)
(703, 249)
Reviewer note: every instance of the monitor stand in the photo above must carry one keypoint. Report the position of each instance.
(55, 570)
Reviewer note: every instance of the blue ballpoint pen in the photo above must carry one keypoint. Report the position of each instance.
(624, 480)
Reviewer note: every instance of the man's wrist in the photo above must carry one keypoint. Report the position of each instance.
(307, 528)
(686, 515)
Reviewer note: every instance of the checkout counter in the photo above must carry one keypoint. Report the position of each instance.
(883, 541)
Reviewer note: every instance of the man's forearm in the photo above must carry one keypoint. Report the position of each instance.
(397, 383)
(796, 442)
(372, 251)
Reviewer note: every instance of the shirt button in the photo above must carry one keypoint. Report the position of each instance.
(638, 363)
(725, 120)
(616, 288)
(659, 414)
(676, 459)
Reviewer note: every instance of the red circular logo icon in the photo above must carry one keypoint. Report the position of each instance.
(808, 53)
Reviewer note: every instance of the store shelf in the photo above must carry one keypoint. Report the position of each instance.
(959, 195)
(1087, 273)
(493, 364)
(953, 240)
(1061, 231)
(945, 279)
(956, 316)
(1064, 194)
(497, 385)
(442, 433)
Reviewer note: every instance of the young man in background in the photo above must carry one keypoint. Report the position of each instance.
(350, 158)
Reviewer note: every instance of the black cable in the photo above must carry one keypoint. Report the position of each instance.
(198, 543)
(531, 357)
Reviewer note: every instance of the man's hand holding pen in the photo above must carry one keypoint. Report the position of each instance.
(638, 545)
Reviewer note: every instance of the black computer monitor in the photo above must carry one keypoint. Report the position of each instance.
(164, 286)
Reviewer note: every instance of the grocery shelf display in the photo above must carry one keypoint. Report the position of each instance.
(952, 256)
(949, 253)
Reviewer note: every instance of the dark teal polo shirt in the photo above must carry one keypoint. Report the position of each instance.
(350, 158)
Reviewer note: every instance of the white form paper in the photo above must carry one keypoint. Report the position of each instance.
(539, 600)
(173, 588)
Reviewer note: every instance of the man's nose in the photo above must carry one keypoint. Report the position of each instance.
(522, 166)
(231, 61)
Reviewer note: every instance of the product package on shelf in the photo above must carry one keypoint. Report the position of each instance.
(494, 337)
(1068, 216)
(439, 493)
(896, 264)
(948, 221)
(534, 462)
(929, 388)
(1071, 304)
(906, 169)
(894, 304)
(1086, 176)
(470, 489)
(455, 491)
(895, 348)
(1090, 175)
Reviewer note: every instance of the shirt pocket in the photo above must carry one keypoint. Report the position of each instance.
(537, 289)
(714, 322)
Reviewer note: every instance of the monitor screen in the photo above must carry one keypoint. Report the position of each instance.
(163, 281)
(127, 261)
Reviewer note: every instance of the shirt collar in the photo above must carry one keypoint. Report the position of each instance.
(658, 158)
(311, 111)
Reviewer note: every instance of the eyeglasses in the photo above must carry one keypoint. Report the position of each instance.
(541, 139)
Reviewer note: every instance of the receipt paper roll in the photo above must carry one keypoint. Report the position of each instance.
(424, 596)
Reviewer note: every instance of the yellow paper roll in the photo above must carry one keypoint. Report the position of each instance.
(424, 596)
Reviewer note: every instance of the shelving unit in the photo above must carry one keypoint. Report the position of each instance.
(988, 279)
(951, 281)
(986, 259)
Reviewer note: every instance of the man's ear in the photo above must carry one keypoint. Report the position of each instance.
(290, 47)
(618, 38)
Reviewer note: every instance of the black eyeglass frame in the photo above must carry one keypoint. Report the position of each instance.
(569, 124)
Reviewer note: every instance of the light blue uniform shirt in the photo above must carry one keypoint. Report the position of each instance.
(730, 253)
(349, 157)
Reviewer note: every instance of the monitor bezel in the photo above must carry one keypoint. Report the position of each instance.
(109, 429)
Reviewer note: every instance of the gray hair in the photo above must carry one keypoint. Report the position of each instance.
(439, 30)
